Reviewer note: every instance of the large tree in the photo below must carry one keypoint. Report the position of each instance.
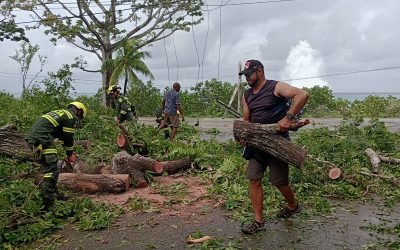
(127, 62)
(97, 27)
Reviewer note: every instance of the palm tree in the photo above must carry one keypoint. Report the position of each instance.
(128, 60)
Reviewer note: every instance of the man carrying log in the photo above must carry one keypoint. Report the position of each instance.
(265, 102)
(125, 110)
(59, 124)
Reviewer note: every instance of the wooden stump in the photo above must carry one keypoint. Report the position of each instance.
(266, 138)
(13, 144)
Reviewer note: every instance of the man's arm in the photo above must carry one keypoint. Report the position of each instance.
(68, 136)
(299, 99)
(246, 116)
(246, 111)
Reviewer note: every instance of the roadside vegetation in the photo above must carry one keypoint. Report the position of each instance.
(21, 220)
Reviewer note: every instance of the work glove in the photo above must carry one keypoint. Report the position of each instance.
(72, 159)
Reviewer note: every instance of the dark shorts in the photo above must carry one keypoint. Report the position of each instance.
(172, 120)
(278, 170)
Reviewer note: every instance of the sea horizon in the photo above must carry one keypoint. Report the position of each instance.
(351, 96)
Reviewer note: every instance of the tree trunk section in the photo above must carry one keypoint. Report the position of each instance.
(13, 144)
(374, 159)
(266, 138)
(122, 162)
(91, 183)
(173, 167)
(135, 166)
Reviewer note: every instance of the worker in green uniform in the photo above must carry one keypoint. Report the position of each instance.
(59, 124)
(125, 110)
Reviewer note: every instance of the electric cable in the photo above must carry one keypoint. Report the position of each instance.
(197, 52)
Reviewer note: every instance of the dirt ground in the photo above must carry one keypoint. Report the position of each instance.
(170, 220)
(172, 216)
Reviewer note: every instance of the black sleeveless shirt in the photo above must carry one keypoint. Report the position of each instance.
(264, 106)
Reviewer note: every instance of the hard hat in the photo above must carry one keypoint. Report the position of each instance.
(80, 105)
(112, 88)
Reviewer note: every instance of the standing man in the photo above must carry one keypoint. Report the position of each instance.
(171, 105)
(59, 124)
(125, 110)
(265, 102)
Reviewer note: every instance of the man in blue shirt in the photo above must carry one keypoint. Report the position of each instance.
(171, 105)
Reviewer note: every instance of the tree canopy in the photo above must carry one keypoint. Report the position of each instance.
(101, 27)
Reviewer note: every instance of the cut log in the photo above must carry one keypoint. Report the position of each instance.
(137, 178)
(122, 141)
(92, 183)
(374, 159)
(173, 167)
(265, 138)
(13, 144)
(122, 162)
(135, 166)
(335, 173)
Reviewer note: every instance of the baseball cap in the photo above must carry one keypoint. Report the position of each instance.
(250, 66)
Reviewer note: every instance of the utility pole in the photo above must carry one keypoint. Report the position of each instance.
(236, 91)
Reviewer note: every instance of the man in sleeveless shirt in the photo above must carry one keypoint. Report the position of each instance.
(266, 102)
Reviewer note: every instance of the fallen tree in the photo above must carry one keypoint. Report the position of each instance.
(266, 138)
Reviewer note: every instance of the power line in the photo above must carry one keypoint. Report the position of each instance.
(89, 81)
(197, 53)
(166, 57)
(217, 6)
(344, 73)
(205, 45)
(176, 58)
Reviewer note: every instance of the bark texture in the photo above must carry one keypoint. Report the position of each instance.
(173, 167)
(266, 138)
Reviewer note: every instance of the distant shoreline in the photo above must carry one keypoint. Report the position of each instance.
(351, 96)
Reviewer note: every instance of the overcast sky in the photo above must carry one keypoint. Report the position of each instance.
(293, 39)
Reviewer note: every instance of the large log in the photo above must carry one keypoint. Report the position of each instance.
(91, 183)
(173, 167)
(135, 166)
(266, 138)
(123, 161)
(13, 144)
(95, 183)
